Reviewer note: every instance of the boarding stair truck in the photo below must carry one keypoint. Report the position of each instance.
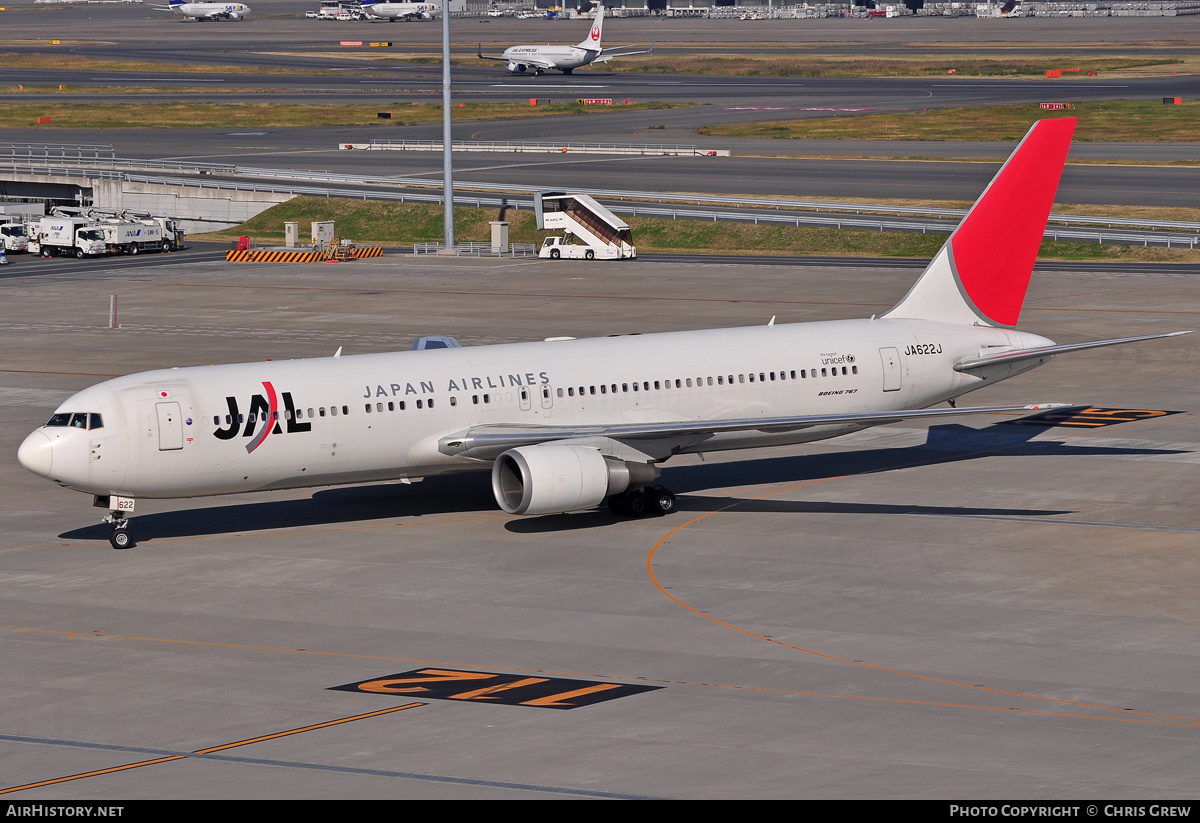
(589, 230)
(13, 236)
(78, 236)
(124, 237)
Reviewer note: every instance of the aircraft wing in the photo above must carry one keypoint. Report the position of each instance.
(612, 54)
(1020, 355)
(488, 442)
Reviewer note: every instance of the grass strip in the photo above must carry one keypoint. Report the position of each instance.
(401, 224)
(181, 114)
(1120, 121)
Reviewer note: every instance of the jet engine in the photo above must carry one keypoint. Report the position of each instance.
(233, 15)
(557, 478)
(517, 68)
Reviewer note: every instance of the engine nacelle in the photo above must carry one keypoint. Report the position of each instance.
(517, 68)
(233, 15)
(557, 478)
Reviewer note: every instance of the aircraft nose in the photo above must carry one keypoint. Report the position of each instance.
(35, 454)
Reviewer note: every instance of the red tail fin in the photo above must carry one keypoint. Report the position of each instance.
(986, 264)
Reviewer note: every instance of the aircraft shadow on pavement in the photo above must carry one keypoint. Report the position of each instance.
(472, 492)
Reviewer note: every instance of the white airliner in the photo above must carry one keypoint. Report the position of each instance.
(566, 59)
(207, 11)
(401, 11)
(565, 425)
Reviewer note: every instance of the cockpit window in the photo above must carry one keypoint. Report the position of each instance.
(77, 420)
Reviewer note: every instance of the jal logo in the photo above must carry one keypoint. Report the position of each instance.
(595, 32)
(262, 418)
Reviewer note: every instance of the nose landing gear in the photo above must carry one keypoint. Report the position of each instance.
(120, 537)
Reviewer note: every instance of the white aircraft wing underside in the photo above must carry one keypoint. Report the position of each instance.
(487, 442)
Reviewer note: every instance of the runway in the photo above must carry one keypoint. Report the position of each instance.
(974, 611)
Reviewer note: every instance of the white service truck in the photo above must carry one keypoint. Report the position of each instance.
(14, 237)
(172, 233)
(121, 237)
(78, 236)
(569, 247)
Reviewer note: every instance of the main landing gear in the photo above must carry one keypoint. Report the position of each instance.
(653, 501)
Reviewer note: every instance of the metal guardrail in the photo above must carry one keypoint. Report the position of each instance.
(640, 149)
(475, 248)
(56, 150)
(523, 249)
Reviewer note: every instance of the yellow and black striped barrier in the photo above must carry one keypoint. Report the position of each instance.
(264, 256)
(258, 256)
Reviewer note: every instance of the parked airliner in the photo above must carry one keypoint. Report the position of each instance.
(566, 59)
(566, 425)
(401, 11)
(207, 11)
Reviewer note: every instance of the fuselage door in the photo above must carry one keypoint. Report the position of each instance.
(170, 426)
(891, 368)
(547, 397)
(525, 401)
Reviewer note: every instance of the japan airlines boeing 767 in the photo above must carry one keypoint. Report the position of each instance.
(565, 425)
(566, 59)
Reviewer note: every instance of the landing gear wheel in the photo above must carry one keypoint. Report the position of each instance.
(661, 501)
(120, 537)
(635, 504)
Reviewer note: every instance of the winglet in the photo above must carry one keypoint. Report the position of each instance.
(983, 270)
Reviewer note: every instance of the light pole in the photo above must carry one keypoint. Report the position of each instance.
(447, 154)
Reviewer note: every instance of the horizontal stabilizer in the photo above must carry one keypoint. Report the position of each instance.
(1020, 355)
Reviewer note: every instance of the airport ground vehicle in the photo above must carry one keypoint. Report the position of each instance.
(75, 236)
(122, 237)
(14, 236)
(565, 247)
(590, 230)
